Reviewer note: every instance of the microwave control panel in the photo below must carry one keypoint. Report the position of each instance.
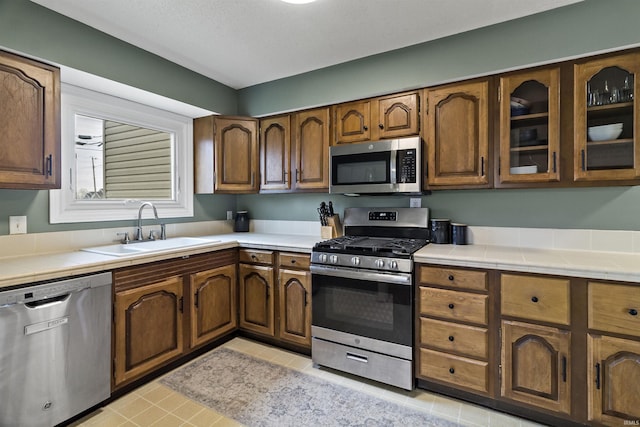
(407, 165)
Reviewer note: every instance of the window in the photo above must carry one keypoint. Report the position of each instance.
(116, 153)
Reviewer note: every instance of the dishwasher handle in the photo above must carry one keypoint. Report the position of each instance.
(47, 302)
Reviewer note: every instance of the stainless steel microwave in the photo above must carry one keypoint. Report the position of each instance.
(390, 166)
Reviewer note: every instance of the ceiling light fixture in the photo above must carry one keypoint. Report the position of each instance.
(298, 1)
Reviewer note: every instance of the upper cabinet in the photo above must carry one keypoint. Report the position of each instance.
(529, 126)
(29, 124)
(275, 153)
(457, 135)
(310, 141)
(606, 119)
(226, 154)
(385, 117)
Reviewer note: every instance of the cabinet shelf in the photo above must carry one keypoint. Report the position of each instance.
(609, 142)
(526, 117)
(608, 107)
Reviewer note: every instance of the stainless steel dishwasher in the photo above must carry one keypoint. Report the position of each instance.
(55, 350)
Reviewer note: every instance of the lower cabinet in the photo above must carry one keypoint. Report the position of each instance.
(275, 295)
(163, 310)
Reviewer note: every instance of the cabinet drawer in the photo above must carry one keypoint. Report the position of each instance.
(456, 370)
(453, 277)
(454, 305)
(452, 337)
(256, 256)
(293, 260)
(614, 308)
(536, 298)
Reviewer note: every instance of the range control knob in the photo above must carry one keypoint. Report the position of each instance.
(393, 264)
(379, 263)
(333, 259)
(355, 261)
(323, 257)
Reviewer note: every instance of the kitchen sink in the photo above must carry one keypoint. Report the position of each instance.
(147, 246)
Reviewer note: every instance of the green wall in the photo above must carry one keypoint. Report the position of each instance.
(570, 31)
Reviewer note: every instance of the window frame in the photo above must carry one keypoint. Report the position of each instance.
(65, 208)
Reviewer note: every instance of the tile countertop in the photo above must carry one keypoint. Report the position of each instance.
(586, 264)
(42, 267)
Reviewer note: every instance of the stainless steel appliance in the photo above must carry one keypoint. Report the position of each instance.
(391, 166)
(362, 285)
(55, 350)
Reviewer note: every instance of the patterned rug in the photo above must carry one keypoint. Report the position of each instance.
(258, 393)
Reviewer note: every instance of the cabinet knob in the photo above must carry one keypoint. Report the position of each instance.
(381, 126)
(451, 338)
(451, 277)
(452, 371)
(534, 299)
(633, 312)
(365, 127)
(293, 261)
(451, 306)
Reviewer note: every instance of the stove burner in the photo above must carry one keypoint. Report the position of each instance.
(373, 245)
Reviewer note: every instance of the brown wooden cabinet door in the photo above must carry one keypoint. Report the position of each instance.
(236, 155)
(458, 135)
(257, 298)
(613, 378)
(214, 306)
(536, 365)
(353, 122)
(148, 327)
(295, 306)
(275, 153)
(530, 135)
(30, 123)
(613, 157)
(311, 149)
(397, 116)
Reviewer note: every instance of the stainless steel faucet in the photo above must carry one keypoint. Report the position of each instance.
(138, 235)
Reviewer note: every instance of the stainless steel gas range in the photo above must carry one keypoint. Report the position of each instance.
(362, 285)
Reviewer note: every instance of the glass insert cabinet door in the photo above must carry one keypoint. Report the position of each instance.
(530, 126)
(606, 119)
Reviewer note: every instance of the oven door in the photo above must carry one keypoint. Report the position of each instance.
(363, 303)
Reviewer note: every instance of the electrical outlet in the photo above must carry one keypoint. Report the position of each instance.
(229, 214)
(415, 202)
(17, 225)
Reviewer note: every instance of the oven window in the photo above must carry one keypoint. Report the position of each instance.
(376, 310)
(369, 168)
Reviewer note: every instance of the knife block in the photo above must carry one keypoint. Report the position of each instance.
(333, 229)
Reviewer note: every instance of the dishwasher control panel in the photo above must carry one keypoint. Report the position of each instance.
(31, 293)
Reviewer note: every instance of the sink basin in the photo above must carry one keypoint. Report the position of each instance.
(149, 246)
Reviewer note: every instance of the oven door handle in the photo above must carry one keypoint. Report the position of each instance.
(396, 278)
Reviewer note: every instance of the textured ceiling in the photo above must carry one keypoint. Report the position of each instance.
(245, 42)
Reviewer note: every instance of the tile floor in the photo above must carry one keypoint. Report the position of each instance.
(156, 405)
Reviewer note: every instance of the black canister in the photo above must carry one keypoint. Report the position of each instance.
(242, 221)
(459, 234)
(440, 231)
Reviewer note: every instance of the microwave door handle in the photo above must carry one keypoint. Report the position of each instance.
(393, 167)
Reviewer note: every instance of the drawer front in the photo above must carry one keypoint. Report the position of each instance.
(256, 256)
(456, 370)
(614, 308)
(452, 337)
(453, 277)
(536, 298)
(454, 305)
(293, 260)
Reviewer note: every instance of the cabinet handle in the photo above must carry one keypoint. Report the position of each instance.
(633, 312)
(297, 180)
(451, 306)
(534, 299)
(195, 299)
(452, 371)
(381, 126)
(451, 277)
(554, 162)
(597, 376)
(49, 171)
(451, 338)
(564, 369)
(181, 304)
(582, 156)
(482, 166)
(305, 298)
